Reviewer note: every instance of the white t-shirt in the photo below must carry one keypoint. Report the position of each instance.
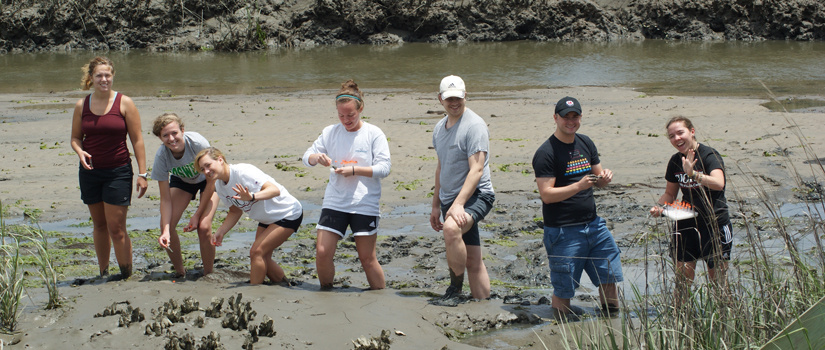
(366, 147)
(265, 211)
(184, 168)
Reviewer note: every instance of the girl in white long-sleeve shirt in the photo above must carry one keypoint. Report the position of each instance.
(360, 157)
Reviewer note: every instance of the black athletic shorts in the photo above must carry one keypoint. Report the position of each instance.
(290, 224)
(478, 206)
(112, 186)
(337, 221)
(193, 189)
(694, 240)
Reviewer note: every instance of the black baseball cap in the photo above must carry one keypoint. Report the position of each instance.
(567, 105)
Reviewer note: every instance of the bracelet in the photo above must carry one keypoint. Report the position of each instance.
(253, 198)
(353, 170)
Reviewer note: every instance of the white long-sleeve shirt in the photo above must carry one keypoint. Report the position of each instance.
(366, 147)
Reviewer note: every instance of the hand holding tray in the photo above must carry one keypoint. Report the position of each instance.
(679, 211)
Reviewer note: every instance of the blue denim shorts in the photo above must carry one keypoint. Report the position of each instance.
(586, 247)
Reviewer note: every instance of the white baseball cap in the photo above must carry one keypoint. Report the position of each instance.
(452, 86)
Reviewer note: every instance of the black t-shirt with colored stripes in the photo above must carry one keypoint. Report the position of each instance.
(568, 163)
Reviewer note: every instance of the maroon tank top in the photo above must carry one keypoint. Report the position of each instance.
(104, 136)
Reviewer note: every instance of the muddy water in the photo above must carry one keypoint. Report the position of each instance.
(658, 67)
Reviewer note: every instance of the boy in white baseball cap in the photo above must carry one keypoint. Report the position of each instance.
(463, 192)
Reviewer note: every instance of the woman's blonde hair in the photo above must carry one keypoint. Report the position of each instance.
(89, 69)
(212, 152)
(163, 120)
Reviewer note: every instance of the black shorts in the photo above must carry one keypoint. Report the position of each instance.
(337, 221)
(193, 189)
(478, 206)
(694, 240)
(112, 186)
(285, 223)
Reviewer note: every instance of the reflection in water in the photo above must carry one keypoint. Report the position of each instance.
(796, 105)
(654, 66)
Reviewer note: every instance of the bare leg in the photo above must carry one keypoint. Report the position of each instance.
(266, 240)
(180, 200)
(205, 235)
(477, 273)
(116, 224)
(325, 246)
(174, 252)
(609, 294)
(718, 274)
(365, 245)
(561, 308)
(100, 233)
(455, 248)
(685, 273)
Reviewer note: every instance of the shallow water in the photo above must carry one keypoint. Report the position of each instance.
(803, 209)
(653, 66)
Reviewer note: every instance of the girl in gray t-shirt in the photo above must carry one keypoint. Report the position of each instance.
(179, 182)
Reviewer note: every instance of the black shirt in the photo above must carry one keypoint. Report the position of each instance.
(568, 163)
(707, 202)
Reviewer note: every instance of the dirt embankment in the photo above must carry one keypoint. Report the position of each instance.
(238, 25)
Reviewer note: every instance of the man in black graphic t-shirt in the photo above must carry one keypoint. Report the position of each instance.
(567, 167)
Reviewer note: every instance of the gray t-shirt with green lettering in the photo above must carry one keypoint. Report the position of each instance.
(184, 168)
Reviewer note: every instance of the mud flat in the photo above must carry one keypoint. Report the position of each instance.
(38, 176)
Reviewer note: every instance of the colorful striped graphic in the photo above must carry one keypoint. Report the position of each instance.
(577, 166)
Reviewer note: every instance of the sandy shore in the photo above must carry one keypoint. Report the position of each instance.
(38, 173)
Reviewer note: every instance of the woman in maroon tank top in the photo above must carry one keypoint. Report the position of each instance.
(100, 125)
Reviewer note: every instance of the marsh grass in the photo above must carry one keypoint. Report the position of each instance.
(784, 276)
(21, 243)
(11, 284)
(44, 263)
(11, 277)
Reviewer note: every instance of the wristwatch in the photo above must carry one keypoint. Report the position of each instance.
(144, 176)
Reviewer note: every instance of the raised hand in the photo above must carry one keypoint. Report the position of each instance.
(242, 193)
(688, 162)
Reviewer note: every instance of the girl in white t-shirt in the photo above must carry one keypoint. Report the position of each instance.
(360, 157)
(245, 188)
(179, 182)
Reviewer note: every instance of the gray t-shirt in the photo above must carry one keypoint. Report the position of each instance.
(454, 147)
(184, 168)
